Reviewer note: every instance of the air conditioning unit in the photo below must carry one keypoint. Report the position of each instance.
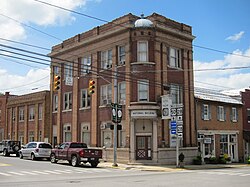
(109, 66)
(122, 62)
(66, 128)
(103, 126)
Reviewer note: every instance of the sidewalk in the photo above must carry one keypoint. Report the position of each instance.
(169, 168)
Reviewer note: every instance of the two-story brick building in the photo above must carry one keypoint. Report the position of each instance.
(28, 117)
(219, 124)
(149, 55)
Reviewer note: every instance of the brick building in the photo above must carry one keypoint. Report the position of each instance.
(219, 125)
(28, 117)
(151, 56)
(245, 96)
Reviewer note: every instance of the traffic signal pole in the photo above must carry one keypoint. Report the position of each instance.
(115, 124)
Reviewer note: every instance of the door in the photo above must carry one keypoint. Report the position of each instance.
(143, 148)
(232, 152)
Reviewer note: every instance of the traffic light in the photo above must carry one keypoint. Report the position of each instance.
(91, 87)
(56, 82)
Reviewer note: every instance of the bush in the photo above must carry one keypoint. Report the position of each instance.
(248, 160)
(222, 160)
(213, 160)
(197, 160)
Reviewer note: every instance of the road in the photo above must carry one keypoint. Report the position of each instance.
(16, 172)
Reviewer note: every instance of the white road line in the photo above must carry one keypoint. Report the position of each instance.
(244, 175)
(54, 172)
(15, 173)
(29, 172)
(44, 173)
(64, 171)
(5, 174)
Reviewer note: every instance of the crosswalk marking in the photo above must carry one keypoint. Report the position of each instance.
(63, 171)
(5, 174)
(54, 172)
(40, 172)
(29, 172)
(15, 173)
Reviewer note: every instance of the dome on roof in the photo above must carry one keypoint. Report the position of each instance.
(142, 22)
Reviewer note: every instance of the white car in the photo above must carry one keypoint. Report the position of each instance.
(36, 150)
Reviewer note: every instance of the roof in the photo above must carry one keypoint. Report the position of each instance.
(213, 95)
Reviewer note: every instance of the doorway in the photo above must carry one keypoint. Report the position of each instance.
(143, 147)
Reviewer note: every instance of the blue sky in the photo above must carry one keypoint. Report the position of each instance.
(222, 25)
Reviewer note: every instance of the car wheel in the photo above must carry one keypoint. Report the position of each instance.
(94, 164)
(33, 157)
(20, 155)
(5, 152)
(53, 158)
(74, 161)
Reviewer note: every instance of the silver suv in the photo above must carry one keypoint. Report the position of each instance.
(36, 150)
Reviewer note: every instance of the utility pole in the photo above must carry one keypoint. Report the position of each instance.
(115, 124)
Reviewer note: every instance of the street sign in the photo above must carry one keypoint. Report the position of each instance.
(173, 124)
(179, 128)
(173, 131)
(116, 113)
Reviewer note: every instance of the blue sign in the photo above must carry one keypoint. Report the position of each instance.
(173, 125)
(173, 131)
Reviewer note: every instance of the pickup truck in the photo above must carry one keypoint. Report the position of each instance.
(76, 153)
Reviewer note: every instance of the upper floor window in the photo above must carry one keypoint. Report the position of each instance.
(13, 114)
(67, 103)
(248, 115)
(176, 93)
(106, 59)
(55, 103)
(175, 58)
(40, 111)
(122, 92)
(85, 99)
(221, 113)
(206, 112)
(21, 114)
(142, 51)
(234, 114)
(121, 55)
(85, 65)
(106, 94)
(143, 90)
(68, 70)
(31, 113)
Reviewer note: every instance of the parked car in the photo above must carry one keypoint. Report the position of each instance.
(36, 150)
(8, 147)
(75, 153)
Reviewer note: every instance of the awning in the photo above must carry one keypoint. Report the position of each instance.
(246, 135)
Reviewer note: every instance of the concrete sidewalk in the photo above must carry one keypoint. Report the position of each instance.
(169, 168)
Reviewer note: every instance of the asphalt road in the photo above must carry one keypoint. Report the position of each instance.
(15, 172)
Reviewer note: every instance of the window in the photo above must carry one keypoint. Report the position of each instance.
(205, 112)
(55, 103)
(67, 136)
(234, 114)
(107, 139)
(122, 92)
(85, 65)
(175, 58)
(40, 136)
(209, 147)
(143, 90)
(106, 94)
(85, 99)
(176, 94)
(40, 111)
(221, 113)
(13, 114)
(121, 55)
(142, 51)
(106, 59)
(31, 136)
(31, 113)
(21, 114)
(68, 70)
(248, 115)
(85, 130)
(67, 105)
(223, 144)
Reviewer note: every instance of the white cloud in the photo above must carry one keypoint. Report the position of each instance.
(32, 12)
(236, 36)
(224, 79)
(35, 80)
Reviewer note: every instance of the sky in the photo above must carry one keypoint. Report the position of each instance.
(221, 48)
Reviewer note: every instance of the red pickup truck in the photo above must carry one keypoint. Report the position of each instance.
(75, 153)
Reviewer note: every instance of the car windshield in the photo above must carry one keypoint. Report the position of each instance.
(45, 145)
(14, 143)
(78, 145)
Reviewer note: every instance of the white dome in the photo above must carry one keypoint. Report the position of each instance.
(142, 22)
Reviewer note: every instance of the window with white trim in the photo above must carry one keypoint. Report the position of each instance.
(85, 65)
(206, 113)
(68, 70)
(85, 99)
(31, 113)
(67, 102)
(142, 51)
(176, 93)
(55, 103)
(106, 94)
(248, 115)
(121, 55)
(67, 136)
(122, 92)
(223, 144)
(221, 113)
(85, 133)
(31, 136)
(106, 59)
(234, 116)
(175, 57)
(40, 111)
(143, 90)
(21, 114)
